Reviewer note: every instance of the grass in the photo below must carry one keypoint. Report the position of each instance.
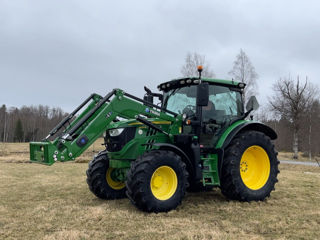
(19, 152)
(41, 202)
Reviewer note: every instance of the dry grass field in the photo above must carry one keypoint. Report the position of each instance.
(19, 152)
(41, 202)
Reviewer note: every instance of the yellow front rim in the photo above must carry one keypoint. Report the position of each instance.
(255, 167)
(163, 183)
(113, 184)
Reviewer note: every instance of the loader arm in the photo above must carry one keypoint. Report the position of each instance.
(94, 120)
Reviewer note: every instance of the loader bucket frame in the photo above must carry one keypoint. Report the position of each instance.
(85, 128)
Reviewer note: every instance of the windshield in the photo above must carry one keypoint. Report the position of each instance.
(224, 102)
(178, 99)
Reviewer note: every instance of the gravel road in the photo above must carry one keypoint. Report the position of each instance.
(315, 164)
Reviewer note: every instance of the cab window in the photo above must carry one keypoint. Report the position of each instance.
(224, 102)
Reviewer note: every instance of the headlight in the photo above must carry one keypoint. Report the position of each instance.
(115, 132)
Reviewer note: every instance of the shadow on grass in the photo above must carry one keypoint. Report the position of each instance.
(190, 202)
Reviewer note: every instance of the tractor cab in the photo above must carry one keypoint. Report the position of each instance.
(223, 104)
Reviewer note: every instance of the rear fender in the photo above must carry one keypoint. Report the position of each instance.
(238, 127)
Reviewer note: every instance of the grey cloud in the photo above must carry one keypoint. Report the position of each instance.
(58, 52)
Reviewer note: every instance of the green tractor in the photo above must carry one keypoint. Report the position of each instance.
(196, 139)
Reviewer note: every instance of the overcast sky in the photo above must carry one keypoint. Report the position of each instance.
(58, 52)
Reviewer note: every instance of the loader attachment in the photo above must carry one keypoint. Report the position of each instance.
(41, 152)
(80, 131)
(48, 152)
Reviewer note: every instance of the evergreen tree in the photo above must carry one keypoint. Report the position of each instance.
(18, 131)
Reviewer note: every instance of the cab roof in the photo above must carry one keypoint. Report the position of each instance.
(181, 82)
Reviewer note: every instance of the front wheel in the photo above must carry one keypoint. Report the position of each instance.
(157, 181)
(101, 181)
(250, 167)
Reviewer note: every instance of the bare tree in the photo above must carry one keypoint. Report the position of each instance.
(244, 71)
(192, 61)
(28, 123)
(312, 117)
(292, 100)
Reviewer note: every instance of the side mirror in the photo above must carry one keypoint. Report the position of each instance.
(203, 94)
(147, 90)
(148, 98)
(149, 95)
(252, 104)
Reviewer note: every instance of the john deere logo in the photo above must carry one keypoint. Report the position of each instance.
(155, 112)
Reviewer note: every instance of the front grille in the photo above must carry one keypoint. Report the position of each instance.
(115, 144)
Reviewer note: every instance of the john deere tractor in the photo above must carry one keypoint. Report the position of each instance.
(197, 138)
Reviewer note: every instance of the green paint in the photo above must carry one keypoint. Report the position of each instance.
(113, 163)
(210, 175)
(119, 174)
(228, 131)
(41, 151)
(102, 120)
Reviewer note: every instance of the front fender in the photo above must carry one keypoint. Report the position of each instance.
(243, 125)
(177, 150)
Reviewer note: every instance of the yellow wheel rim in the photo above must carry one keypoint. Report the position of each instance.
(255, 167)
(163, 183)
(113, 184)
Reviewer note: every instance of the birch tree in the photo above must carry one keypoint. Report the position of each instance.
(243, 71)
(192, 61)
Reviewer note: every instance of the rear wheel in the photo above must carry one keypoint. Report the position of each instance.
(157, 181)
(101, 181)
(250, 167)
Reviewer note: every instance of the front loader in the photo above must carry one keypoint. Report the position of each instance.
(195, 140)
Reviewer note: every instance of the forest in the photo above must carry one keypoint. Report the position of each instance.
(28, 123)
(308, 132)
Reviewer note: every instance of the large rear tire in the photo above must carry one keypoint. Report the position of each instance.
(157, 181)
(250, 167)
(99, 179)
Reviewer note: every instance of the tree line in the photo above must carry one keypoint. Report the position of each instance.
(28, 123)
